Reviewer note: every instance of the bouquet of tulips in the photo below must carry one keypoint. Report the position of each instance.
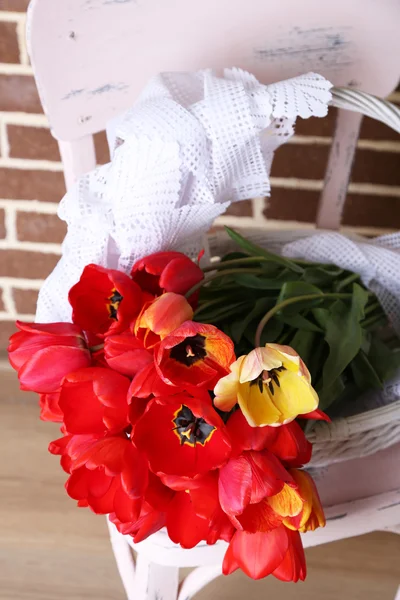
(169, 420)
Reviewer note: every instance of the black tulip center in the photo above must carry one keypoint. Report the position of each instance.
(191, 350)
(190, 429)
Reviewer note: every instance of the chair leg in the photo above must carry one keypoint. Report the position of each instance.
(155, 582)
(124, 559)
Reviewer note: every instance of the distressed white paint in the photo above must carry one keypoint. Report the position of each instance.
(108, 50)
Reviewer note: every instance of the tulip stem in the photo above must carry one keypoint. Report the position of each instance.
(288, 302)
(218, 275)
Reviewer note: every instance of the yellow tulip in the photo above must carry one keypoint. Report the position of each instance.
(272, 386)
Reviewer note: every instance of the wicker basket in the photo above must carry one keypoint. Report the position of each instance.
(368, 432)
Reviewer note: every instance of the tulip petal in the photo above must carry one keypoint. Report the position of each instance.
(257, 361)
(317, 415)
(268, 475)
(257, 406)
(259, 517)
(35, 375)
(287, 503)
(294, 396)
(291, 445)
(226, 390)
(183, 525)
(259, 554)
(245, 437)
(293, 567)
(165, 314)
(234, 486)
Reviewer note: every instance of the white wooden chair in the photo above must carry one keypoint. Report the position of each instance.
(92, 57)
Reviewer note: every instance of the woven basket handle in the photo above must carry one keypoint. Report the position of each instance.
(368, 105)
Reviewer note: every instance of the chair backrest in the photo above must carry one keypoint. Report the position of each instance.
(91, 58)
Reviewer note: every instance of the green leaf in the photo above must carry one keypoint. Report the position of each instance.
(293, 289)
(330, 394)
(239, 327)
(384, 360)
(321, 276)
(300, 322)
(364, 373)
(255, 250)
(343, 334)
(321, 315)
(271, 332)
(304, 343)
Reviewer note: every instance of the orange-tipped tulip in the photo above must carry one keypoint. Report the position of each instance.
(161, 316)
(312, 515)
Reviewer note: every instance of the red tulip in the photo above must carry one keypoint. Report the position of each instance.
(194, 355)
(246, 437)
(293, 567)
(49, 408)
(148, 383)
(153, 513)
(104, 300)
(44, 353)
(107, 474)
(167, 272)
(291, 445)
(317, 415)
(287, 442)
(277, 552)
(95, 401)
(126, 354)
(182, 435)
(161, 316)
(256, 491)
(195, 513)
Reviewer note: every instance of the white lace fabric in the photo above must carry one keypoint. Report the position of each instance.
(193, 144)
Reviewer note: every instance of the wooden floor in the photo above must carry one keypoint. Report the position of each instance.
(51, 550)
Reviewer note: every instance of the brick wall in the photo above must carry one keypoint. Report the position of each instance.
(31, 179)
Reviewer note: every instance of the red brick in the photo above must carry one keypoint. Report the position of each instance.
(292, 205)
(25, 301)
(376, 167)
(32, 142)
(317, 126)
(309, 162)
(9, 49)
(101, 146)
(14, 5)
(18, 184)
(7, 328)
(371, 129)
(241, 209)
(40, 227)
(18, 93)
(2, 307)
(24, 264)
(2, 224)
(360, 210)
(302, 161)
(372, 211)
